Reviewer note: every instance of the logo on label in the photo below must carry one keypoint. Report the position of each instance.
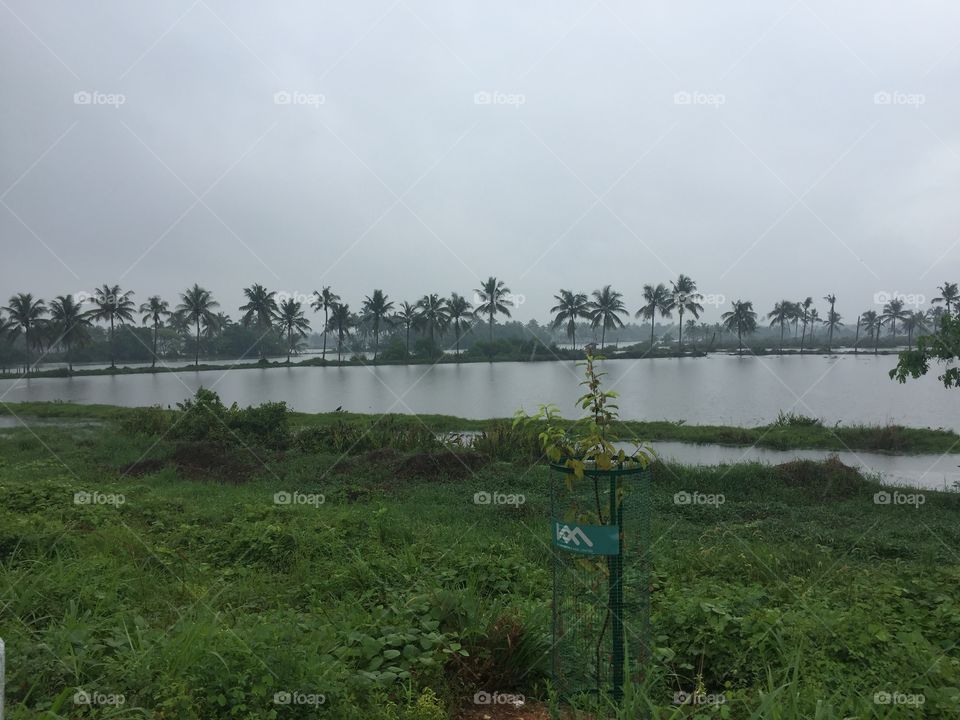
(572, 536)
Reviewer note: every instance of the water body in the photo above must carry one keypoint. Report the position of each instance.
(719, 389)
(936, 472)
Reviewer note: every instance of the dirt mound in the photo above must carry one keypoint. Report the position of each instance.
(443, 464)
(829, 478)
(224, 465)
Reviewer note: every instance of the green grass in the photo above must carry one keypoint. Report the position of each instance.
(792, 432)
(398, 598)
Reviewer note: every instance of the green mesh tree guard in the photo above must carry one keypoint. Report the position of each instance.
(601, 580)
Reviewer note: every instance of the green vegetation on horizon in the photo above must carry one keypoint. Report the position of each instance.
(275, 324)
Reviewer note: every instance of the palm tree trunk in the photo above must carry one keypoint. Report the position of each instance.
(156, 329)
(408, 341)
(781, 337)
(653, 317)
(603, 335)
(376, 341)
(876, 340)
(324, 332)
(113, 363)
(491, 336)
(456, 331)
(803, 336)
(856, 338)
(740, 340)
(196, 357)
(680, 344)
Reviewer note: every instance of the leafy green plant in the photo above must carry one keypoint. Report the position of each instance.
(587, 444)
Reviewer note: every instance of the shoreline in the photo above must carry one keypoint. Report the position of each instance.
(548, 355)
(792, 434)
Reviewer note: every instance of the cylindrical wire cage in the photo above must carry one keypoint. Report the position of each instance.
(601, 580)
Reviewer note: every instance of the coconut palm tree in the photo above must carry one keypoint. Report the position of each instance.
(804, 313)
(741, 318)
(892, 312)
(197, 305)
(26, 314)
(814, 318)
(832, 299)
(871, 323)
(153, 311)
(657, 299)
(324, 300)
(409, 316)
(434, 314)
(685, 298)
(781, 314)
(72, 324)
(949, 295)
(605, 312)
(493, 299)
(292, 322)
(570, 306)
(913, 322)
(459, 314)
(832, 321)
(260, 310)
(375, 310)
(341, 320)
(112, 305)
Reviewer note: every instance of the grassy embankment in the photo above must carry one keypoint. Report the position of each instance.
(399, 598)
(790, 432)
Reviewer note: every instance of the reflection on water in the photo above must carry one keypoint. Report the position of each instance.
(720, 389)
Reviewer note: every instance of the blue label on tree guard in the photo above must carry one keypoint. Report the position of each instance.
(587, 539)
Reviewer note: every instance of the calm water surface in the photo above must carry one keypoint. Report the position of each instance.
(718, 389)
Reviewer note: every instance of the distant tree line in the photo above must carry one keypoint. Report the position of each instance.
(105, 324)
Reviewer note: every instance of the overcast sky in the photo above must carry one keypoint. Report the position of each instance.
(767, 149)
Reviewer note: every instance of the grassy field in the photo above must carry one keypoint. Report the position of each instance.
(790, 432)
(395, 597)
